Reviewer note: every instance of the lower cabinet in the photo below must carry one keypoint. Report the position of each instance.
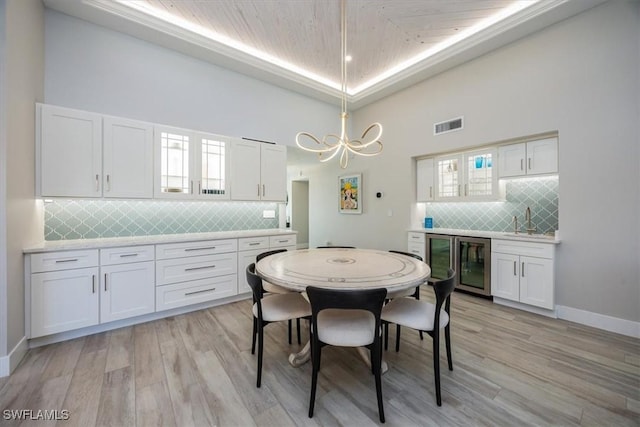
(250, 248)
(195, 291)
(523, 272)
(126, 290)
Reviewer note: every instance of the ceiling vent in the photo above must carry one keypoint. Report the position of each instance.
(447, 126)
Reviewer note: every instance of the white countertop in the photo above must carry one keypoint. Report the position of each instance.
(504, 235)
(109, 242)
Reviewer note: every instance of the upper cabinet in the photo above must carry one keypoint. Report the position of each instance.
(83, 154)
(528, 158)
(425, 188)
(191, 164)
(70, 153)
(258, 171)
(463, 176)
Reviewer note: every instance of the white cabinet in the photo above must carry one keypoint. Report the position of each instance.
(127, 158)
(528, 158)
(416, 244)
(193, 272)
(190, 164)
(523, 272)
(425, 185)
(468, 176)
(258, 171)
(82, 154)
(63, 292)
(127, 282)
(249, 248)
(69, 152)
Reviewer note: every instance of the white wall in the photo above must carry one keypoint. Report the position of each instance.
(90, 67)
(24, 64)
(579, 77)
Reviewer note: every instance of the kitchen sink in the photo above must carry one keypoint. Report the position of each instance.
(530, 236)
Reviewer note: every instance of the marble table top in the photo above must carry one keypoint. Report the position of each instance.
(339, 268)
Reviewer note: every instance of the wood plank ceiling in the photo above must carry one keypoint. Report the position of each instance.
(381, 33)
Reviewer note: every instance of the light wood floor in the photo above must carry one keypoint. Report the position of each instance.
(511, 368)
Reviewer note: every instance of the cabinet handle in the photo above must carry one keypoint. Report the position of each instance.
(191, 187)
(254, 244)
(93, 283)
(199, 187)
(66, 260)
(430, 191)
(521, 164)
(458, 190)
(105, 282)
(258, 190)
(465, 189)
(263, 190)
(515, 273)
(199, 249)
(200, 268)
(97, 183)
(522, 271)
(108, 183)
(199, 292)
(127, 255)
(282, 241)
(529, 163)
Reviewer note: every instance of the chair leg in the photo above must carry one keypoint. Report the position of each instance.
(253, 339)
(289, 331)
(260, 348)
(386, 335)
(376, 360)
(447, 339)
(397, 338)
(298, 329)
(436, 364)
(421, 336)
(315, 362)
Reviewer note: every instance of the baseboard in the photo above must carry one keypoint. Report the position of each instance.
(525, 307)
(9, 362)
(600, 321)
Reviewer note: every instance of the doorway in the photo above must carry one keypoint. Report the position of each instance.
(300, 212)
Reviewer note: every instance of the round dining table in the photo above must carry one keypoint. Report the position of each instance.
(342, 268)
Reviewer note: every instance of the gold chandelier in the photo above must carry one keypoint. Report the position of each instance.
(332, 144)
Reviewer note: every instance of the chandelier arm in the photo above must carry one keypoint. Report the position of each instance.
(317, 141)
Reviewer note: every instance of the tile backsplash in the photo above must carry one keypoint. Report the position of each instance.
(89, 219)
(539, 194)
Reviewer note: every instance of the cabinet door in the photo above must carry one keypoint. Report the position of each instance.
(212, 167)
(273, 172)
(480, 177)
(542, 156)
(63, 300)
(70, 153)
(126, 290)
(511, 160)
(244, 259)
(536, 282)
(127, 158)
(425, 175)
(505, 281)
(245, 170)
(449, 177)
(173, 169)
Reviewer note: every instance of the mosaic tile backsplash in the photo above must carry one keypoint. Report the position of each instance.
(89, 219)
(539, 194)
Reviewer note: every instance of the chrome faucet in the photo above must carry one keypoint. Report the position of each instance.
(527, 218)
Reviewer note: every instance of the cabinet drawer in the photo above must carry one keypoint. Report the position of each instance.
(127, 255)
(193, 292)
(282, 241)
(416, 249)
(416, 237)
(66, 260)
(188, 249)
(251, 243)
(193, 268)
(540, 250)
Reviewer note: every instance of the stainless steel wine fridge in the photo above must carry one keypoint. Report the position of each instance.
(470, 257)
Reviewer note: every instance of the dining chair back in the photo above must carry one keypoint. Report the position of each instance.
(271, 308)
(427, 317)
(346, 318)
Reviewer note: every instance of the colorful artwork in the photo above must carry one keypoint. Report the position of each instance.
(351, 194)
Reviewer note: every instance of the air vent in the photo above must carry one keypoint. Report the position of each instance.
(447, 126)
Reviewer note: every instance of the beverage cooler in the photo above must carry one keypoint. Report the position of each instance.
(470, 257)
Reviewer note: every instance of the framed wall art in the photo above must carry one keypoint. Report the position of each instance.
(351, 194)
